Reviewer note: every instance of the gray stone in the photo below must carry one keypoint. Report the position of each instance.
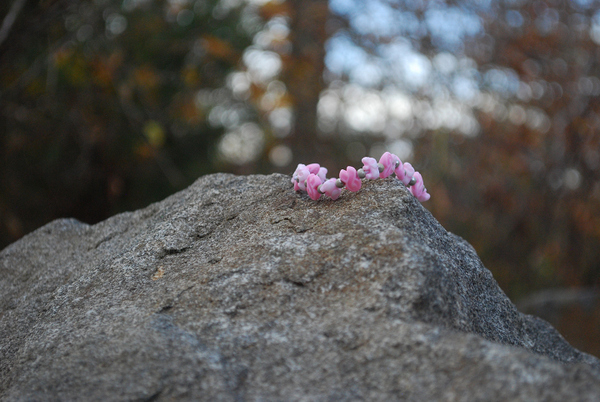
(238, 288)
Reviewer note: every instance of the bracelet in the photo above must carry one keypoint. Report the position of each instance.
(313, 180)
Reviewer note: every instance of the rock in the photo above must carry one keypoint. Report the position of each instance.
(237, 288)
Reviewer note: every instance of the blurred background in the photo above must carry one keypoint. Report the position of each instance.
(110, 105)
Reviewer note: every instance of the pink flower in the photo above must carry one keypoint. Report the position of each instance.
(298, 169)
(418, 189)
(299, 177)
(405, 173)
(314, 168)
(388, 161)
(370, 168)
(312, 186)
(409, 170)
(350, 179)
(331, 189)
(322, 174)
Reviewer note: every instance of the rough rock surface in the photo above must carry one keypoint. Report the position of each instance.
(237, 288)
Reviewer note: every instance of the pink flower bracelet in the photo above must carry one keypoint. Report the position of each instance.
(313, 180)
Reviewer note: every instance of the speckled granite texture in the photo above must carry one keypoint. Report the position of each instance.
(239, 289)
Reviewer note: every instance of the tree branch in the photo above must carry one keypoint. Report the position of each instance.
(10, 19)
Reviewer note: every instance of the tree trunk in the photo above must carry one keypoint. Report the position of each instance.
(303, 75)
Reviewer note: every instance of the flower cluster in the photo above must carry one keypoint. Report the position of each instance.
(313, 180)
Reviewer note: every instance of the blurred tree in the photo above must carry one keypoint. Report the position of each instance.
(303, 75)
(279, 86)
(100, 105)
(529, 197)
